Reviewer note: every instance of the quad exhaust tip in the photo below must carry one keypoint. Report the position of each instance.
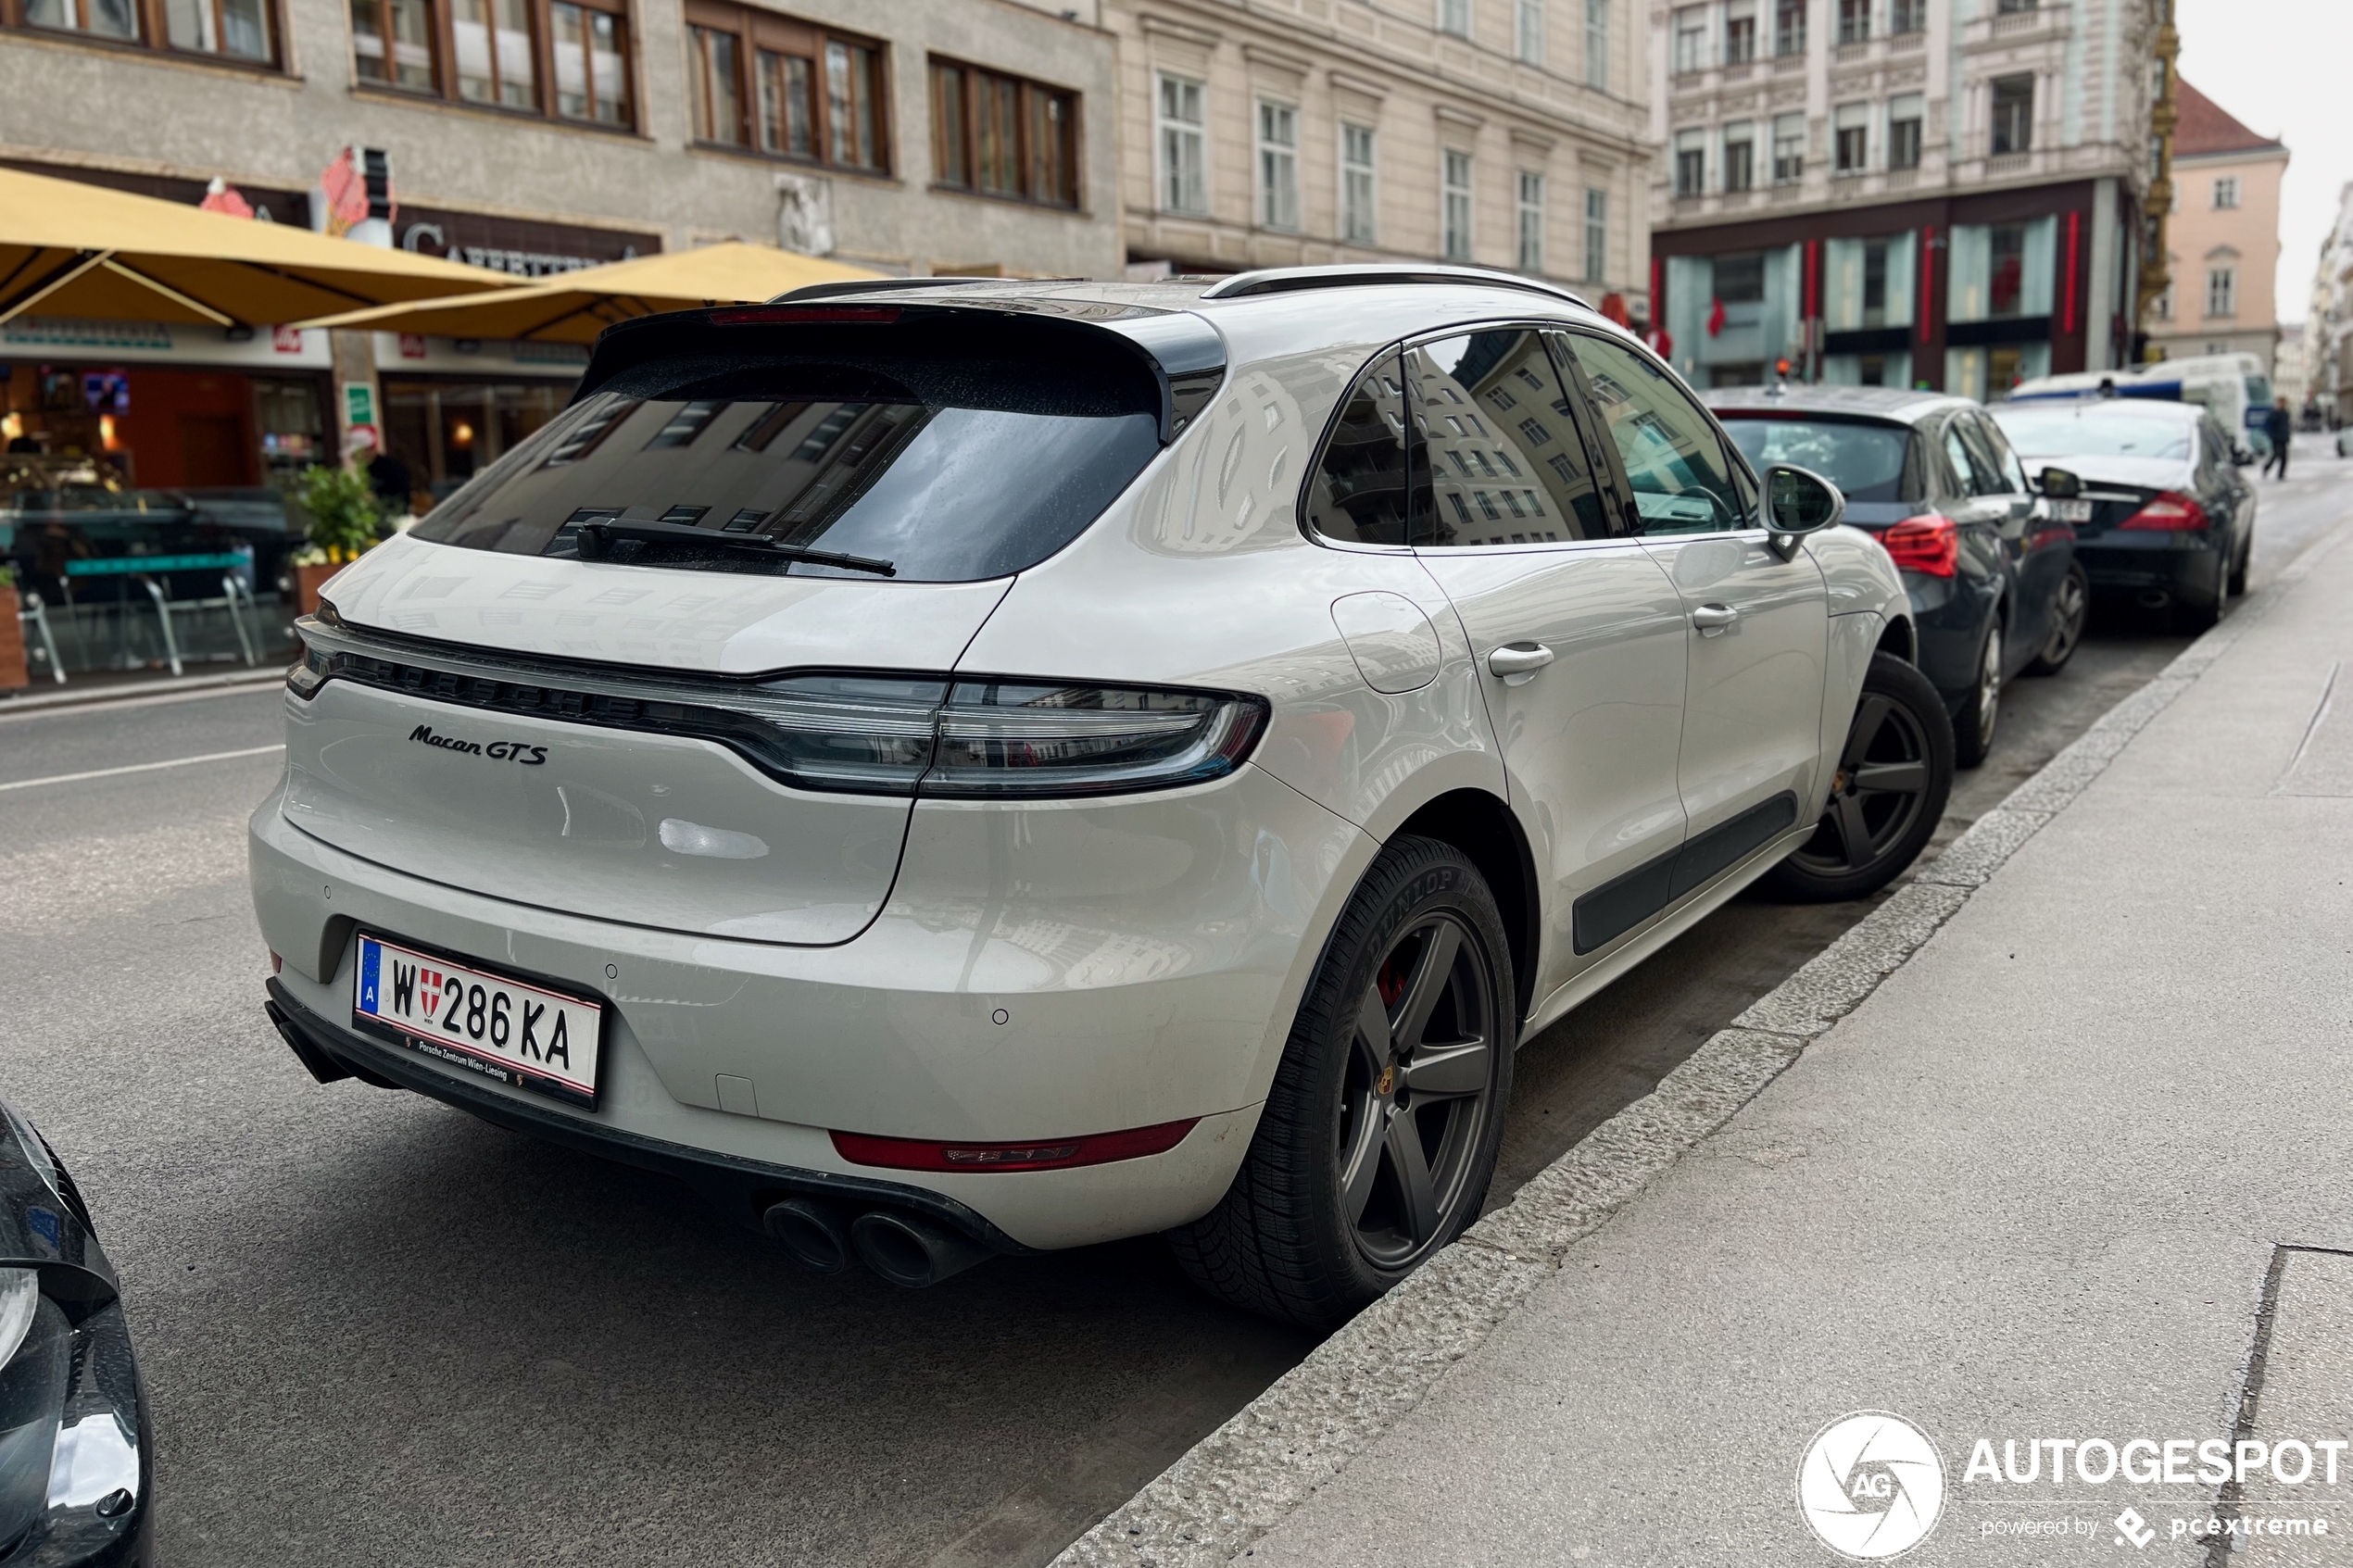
(903, 1249)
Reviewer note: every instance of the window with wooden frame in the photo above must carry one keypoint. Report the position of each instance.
(564, 58)
(1002, 135)
(785, 87)
(245, 32)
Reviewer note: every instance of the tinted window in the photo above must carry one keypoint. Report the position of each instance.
(2094, 433)
(1972, 476)
(1674, 461)
(1866, 461)
(1497, 436)
(1358, 491)
(945, 488)
(1985, 463)
(2013, 474)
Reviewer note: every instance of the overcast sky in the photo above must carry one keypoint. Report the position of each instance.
(2284, 68)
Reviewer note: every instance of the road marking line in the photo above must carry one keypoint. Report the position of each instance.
(142, 767)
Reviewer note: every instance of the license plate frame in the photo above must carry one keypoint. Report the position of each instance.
(542, 1049)
(2071, 511)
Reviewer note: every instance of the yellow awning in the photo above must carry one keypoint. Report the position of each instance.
(575, 307)
(76, 250)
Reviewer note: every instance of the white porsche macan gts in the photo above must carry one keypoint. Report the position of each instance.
(951, 769)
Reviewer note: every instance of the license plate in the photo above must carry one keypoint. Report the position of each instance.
(2072, 511)
(509, 1031)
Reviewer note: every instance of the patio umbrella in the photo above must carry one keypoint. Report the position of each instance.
(575, 307)
(70, 250)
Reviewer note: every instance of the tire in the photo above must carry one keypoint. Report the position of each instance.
(2070, 610)
(1325, 1214)
(1973, 725)
(2238, 568)
(1894, 773)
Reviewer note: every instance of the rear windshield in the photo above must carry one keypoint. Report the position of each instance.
(2101, 433)
(1866, 461)
(942, 476)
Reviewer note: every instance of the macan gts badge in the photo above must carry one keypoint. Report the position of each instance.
(969, 768)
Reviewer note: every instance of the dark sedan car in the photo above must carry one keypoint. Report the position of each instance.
(1991, 572)
(77, 1463)
(2165, 515)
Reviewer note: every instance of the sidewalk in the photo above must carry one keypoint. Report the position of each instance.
(2048, 1180)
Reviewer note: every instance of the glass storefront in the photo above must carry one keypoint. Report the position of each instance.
(444, 431)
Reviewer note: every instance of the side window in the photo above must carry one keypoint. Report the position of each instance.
(1986, 450)
(1358, 493)
(1673, 455)
(2004, 460)
(1970, 476)
(1495, 433)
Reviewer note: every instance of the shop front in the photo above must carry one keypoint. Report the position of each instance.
(451, 407)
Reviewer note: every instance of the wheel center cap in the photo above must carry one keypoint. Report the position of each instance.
(1840, 782)
(1388, 1081)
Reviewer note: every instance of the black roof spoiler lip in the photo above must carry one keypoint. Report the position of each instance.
(1183, 350)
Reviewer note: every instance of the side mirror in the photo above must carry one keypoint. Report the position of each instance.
(1797, 502)
(2061, 485)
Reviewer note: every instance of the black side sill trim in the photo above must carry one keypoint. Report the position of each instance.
(739, 1188)
(1622, 903)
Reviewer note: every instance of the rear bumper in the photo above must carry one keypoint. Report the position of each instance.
(1035, 974)
(2187, 564)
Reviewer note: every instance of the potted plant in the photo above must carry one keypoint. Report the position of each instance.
(345, 521)
(13, 669)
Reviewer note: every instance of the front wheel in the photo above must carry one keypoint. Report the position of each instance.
(2070, 607)
(1893, 774)
(1380, 1134)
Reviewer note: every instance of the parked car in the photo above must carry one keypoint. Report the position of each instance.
(77, 1458)
(2169, 519)
(971, 769)
(1995, 588)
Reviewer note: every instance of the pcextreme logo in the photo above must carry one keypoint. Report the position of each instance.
(1871, 1486)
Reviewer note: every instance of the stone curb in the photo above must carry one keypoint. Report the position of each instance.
(1238, 1483)
(181, 685)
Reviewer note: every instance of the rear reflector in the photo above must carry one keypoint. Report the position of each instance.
(2168, 512)
(1093, 1148)
(1931, 545)
(797, 315)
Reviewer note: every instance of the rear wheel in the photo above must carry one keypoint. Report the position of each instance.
(1380, 1134)
(1973, 726)
(1894, 775)
(2238, 568)
(2070, 607)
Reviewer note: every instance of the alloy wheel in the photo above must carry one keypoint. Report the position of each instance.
(1417, 1093)
(2071, 607)
(1877, 792)
(1989, 687)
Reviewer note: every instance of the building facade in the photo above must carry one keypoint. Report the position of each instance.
(2222, 236)
(532, 136)
(2328, 321)
(1509, 133)
(1943, 193)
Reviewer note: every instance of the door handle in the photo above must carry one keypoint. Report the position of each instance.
(1712, 619)
(1515, 663)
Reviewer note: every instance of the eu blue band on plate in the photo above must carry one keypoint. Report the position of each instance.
(370, 958)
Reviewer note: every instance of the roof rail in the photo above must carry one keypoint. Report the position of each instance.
(1288, 279)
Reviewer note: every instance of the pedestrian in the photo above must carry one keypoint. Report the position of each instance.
(2281, 428)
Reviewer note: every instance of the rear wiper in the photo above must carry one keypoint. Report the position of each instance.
(606, 529)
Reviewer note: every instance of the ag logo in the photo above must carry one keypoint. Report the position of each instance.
(1871, 1486)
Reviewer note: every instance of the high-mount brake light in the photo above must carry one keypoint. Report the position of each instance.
(2168, 512)
(1039, 1154)
(800, 315)
(1931, 545)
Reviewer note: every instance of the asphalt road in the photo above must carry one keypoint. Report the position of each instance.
(376, 1331)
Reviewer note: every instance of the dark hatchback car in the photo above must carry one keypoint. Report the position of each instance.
(2167, 516)
(1991, 573)
(77, 1462)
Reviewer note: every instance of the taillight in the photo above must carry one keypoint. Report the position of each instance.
(1932, 544)
(1039, 1154)
(999, 739)
(2170, 511)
